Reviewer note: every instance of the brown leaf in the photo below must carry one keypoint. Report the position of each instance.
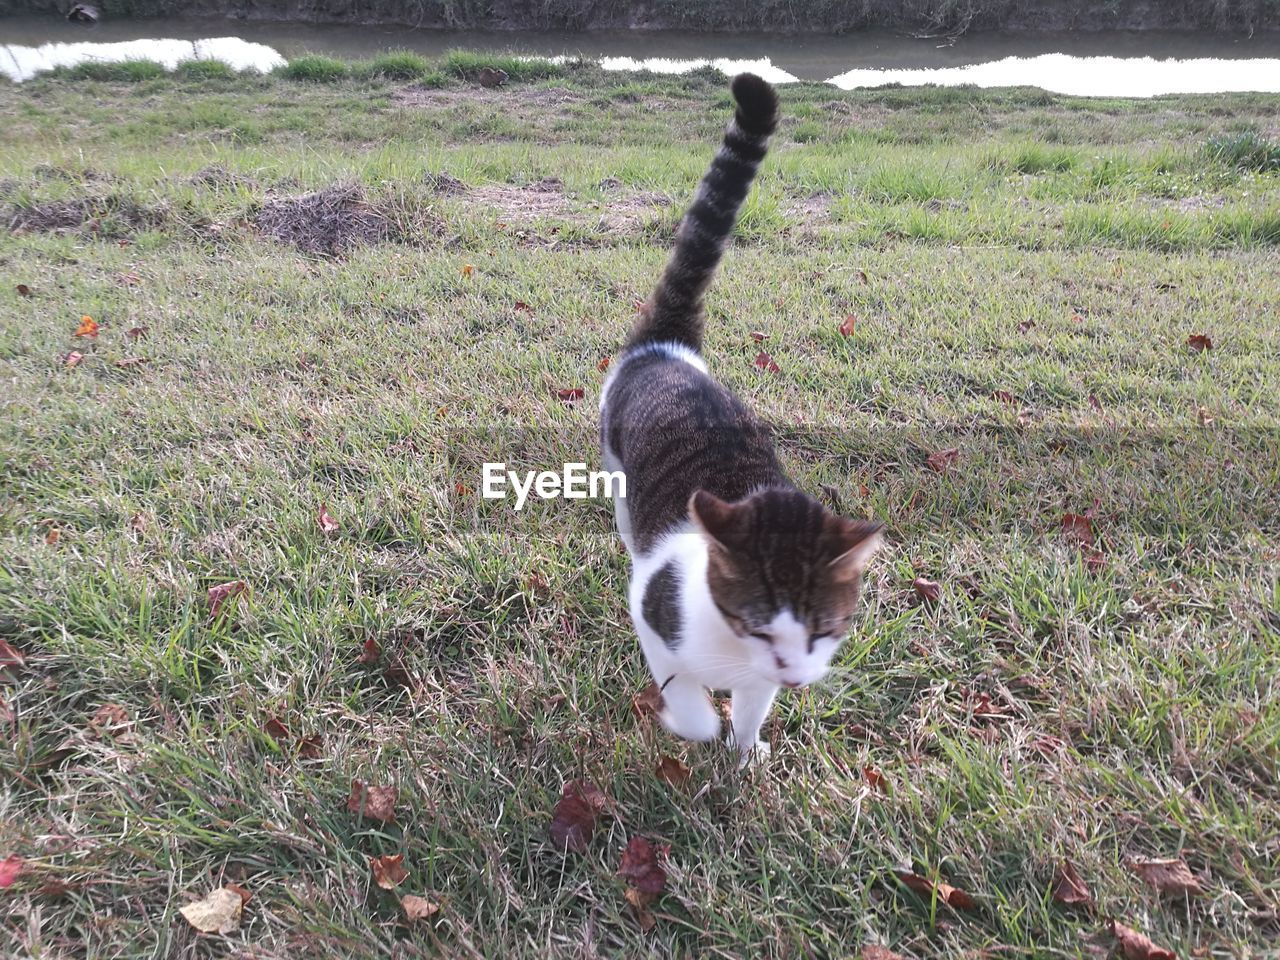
(1026, 325)
(52, 536)
(1095, 561)
(1200, 342)
(758, 335)
(369, 651)
(10, 870)
(23, 290)
(468, 269)
(1068, 887)
(847, 325)
(873, 951)
(10, 656)
(376, 803)
(312, 747)
(418, 908)
(244, 895)
(277, 731)
(1079, 528)
(219, 912)
(943, 460)
(1095, 403)
(131, 362)
(1168, 876)
(570, 394)
(952, 896)
(603, 365)
(1203, 416)
(927, 589)
(88, 327)
(109, 719)
(862, 277)
(1004, 396)
(133, 333)
(219, 595)
(574, 819)
(673, 771)
(521, 305)
(638, 901)
(327, 523)
(765, 362)
(641, 870)
(1137, 946)
(875, 779)
(388, 871)
(647, 703)
(72, 358)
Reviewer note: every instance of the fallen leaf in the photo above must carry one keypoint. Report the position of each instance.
(52, 536)
(370, 650)
(133, 333)
(952, 896)
(88, 327)
(220, 594)
(23, 290)
(862, 277)
(1203, 416)
(1094, 560)
(10, 656)
(1137, 946)
(418, 908)
(388, 871)
(10, 869)
(673, 771)
(765, 362)
(642, 872)
(644, 916)
(1068, 887)
(219, 912)
(758, 335)
(1095, 403)
(521, 305)
(603, 365)
(943, 460)
(648, 702)
(983, 707)
(1076, 318)
(927, 589)
(875, 779)
(1079, 528)
(574, 819)
(131, 361)
(461, 489)
(312, 747)
(846, 327)
(72, 358)
(276, 730)
(1168, 876)
(109, 718)
(244, 895)
(468, 269)
(1200, 342)
(327, 523)
(377, 803)
(873, 951)
(570, 394)
(1026, 325)
(1004, 396)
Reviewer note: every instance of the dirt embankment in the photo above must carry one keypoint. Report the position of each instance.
(817, 16)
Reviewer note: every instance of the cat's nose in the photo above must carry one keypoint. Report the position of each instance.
(782, 664)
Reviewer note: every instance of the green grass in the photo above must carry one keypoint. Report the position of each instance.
(315, 68)
(1246, 150)
(204, 70)
(396, 65)
(1138, 699)
(467, 64)
(126, 71)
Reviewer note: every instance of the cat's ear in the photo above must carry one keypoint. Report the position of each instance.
(719, 520)
(856, 541)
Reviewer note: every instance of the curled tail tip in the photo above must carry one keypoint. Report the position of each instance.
(757, 104)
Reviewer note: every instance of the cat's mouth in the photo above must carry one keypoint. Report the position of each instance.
(792, 684)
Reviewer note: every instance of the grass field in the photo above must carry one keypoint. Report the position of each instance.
(353, 292)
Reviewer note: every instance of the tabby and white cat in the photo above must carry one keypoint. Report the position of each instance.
(739, 581)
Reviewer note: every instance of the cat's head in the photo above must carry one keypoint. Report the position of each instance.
(785, 573)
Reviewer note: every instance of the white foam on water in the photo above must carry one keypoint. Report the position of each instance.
(1089, 76)
(763, 67)
(20, 63)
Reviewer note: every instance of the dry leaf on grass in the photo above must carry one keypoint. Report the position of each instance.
(758, 336)
(1068, 887)
(1137, 946)
(603, 365)
(418, 908)
(1004, 396)
(10, 656)
(943, 460)
(1168, 876)
(126, 362)
(1200, 342)
(648, 702)
(377, 803)
(133, 333)
(369, 651)
(52, 536)
(570, 395)
(873, 951)
(72, 359)
(847, 325)
(875, 779)
(468, 269)
(952, 896)
(110, 719)
(672, 771)
(326, 521)
(88, 327)
(1078, 527)
(574, 819)
(10, 870)
(644, 876)
(388, 872)
(219, 912)
(23, 290)
(765, 362)
(219, 595)
(927, 589)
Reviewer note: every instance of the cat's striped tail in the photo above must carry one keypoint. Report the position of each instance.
(675, 312)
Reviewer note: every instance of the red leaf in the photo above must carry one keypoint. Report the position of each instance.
(377, 803)
(88, 327)
(327, 523)
(647, 703)
(603, 365)
(521, 305)
(672, 771)
(765, 362)
(1167, 876)
(1068, 887)
(875, 779)
(370, 651)
(641, 870)
(1079, 528)
(133, 333)
(927, 589)
(23, 290)
(10, 868)
(10, 656)
(846, 328)
(110, 719)
(220, 594)
(1200, 342)
(952, 896)
(276, 730)
(1137, 946)
(570, 394)
(758, 335)
(943, 460)
(72, 358)
(574, 819)
(388, 871)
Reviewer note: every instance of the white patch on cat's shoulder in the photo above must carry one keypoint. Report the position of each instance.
(675, 351)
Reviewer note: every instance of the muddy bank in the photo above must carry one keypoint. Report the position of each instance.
(925, 17)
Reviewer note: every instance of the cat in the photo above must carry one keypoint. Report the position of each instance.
(739, 581)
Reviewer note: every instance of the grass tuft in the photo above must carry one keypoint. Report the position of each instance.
(467, 64)
(315, 68)
(395, 65)
(126, 71)
(204, 70)
(1246, 150)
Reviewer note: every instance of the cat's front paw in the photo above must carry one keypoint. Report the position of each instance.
(692, 723)
(752, 756)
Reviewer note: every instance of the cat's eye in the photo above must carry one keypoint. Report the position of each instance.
(815, 637)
